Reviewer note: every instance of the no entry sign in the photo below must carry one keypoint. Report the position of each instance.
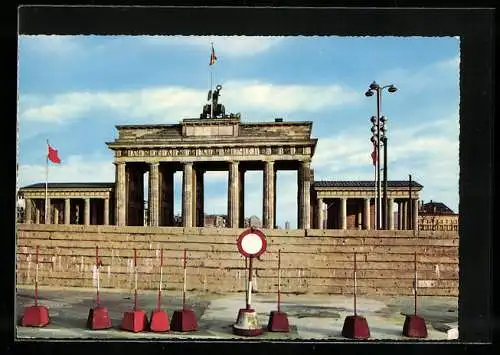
(251, 243)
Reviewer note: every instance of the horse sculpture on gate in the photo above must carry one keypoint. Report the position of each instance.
(215, 109)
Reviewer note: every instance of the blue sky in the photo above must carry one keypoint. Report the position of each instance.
(73, 90)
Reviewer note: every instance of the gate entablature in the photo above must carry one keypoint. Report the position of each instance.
(214, 139)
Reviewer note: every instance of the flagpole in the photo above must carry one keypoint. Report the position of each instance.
(211, 90)
(47, 183)
(211, 82)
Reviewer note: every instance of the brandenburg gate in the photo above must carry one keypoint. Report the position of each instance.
(199, 145)
(195, 146)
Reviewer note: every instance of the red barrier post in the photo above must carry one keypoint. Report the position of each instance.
(135, 281)
(158, 305)
(36, 276)
(98, 297)
(355, 285)
(184, 320)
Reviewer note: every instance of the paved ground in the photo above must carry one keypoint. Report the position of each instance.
(310, 316)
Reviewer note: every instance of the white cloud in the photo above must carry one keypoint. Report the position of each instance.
(347, 150)
(170, 104)
(428, 151)
(77, 168)
(287, 98)
(230, 46)
(437, 74)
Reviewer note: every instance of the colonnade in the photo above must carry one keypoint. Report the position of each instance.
(85, 211)
(359, 213)
(129, 191)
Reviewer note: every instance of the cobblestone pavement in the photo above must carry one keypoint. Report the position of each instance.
(311, 317)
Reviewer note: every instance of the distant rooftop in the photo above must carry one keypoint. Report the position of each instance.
(435, 208)
(365, 183)
(71, 185)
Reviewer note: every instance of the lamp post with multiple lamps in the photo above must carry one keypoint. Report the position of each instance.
(379, 137)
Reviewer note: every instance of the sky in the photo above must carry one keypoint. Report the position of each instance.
(73, 90)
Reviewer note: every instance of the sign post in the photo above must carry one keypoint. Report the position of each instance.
(414, 326)
(355, 326)
(278, 320)
(98, 315)
(184, 320)
(135, 320)
(159, 318)
(251, 243)
(36, 315)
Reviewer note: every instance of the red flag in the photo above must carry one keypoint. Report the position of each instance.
(213, 58)
(374, 154)
(53, 155)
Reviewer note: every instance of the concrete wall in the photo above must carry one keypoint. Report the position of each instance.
(313, 261)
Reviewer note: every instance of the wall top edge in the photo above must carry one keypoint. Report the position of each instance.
(226, 232)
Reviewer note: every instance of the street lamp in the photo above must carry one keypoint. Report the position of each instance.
(379, 130)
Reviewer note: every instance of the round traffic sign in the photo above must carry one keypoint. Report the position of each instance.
(251, 243)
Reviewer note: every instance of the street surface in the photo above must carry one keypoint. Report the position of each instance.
(313, 317)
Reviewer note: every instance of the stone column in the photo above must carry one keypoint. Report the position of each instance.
(233, 204)
(37, 215)
(401, 209)
(56, 214)
(187, 195)
(343, 213)
(153, 196)
(304, 192)
(319, 208)
(415, 214)
(299, 198)
(398, 222)
(390, 212)
(268, 195)
(409, 214)
(241, 199)
(106, 211)
(194, 196)
(86, 214)
(139, 196)
(67, 211)
(366, 214)
(27, 210)
(399, 214)
(275, 197)
(121, 194)
(47, 211)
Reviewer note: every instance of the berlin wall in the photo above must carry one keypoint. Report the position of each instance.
(312, 261)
